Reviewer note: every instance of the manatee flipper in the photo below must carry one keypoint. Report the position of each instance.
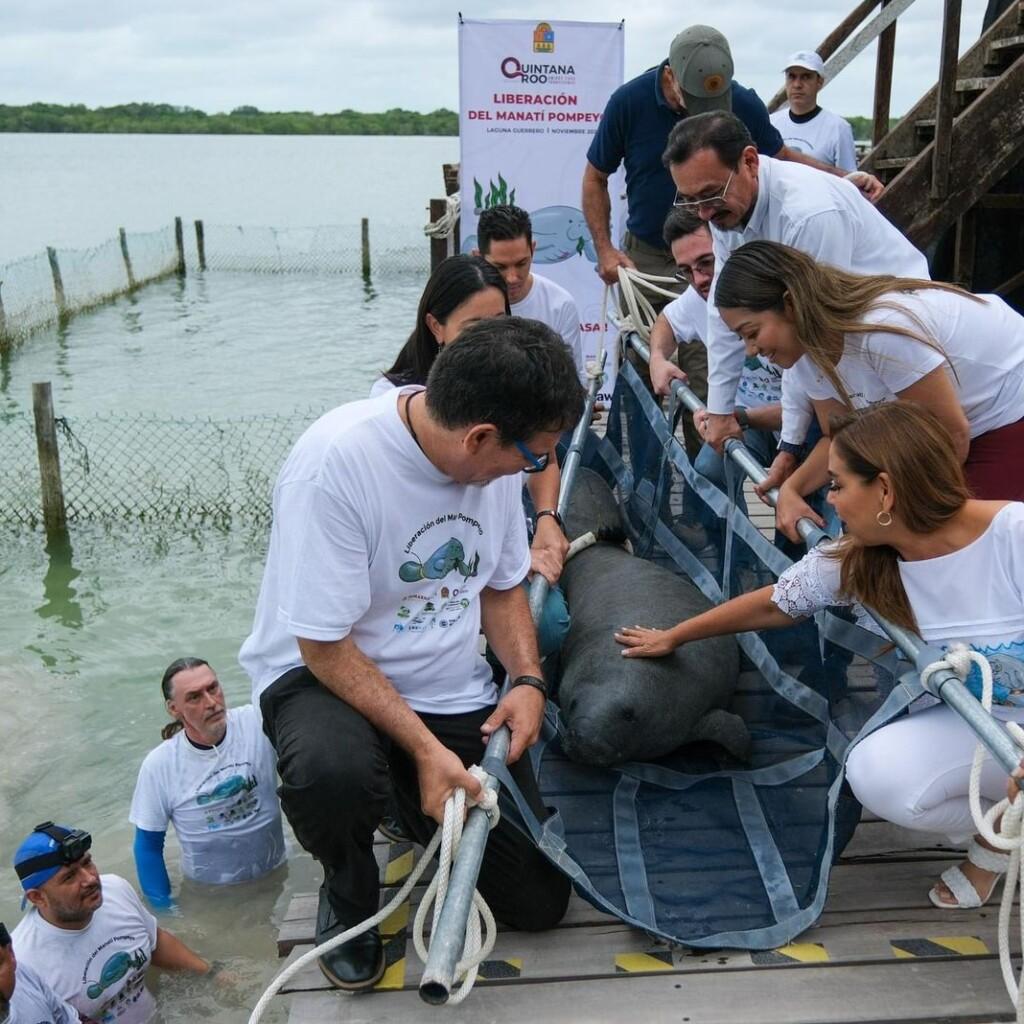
(729, 731)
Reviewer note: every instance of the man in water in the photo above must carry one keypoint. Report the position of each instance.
(505, 240)
(398, 533)
(804, 126)
(214, 778)
(87, 935)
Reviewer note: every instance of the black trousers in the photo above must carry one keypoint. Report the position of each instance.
(337, 771)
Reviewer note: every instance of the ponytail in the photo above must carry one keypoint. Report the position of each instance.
(167, 688)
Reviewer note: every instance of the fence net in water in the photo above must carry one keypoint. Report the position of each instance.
(29, 297)
(697, 848)
(151, 468)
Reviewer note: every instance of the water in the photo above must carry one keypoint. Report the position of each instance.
(87, 632)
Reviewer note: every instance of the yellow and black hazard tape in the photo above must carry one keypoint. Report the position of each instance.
(945, 945)
(401, 859)
(500, 970)
(640, 963)
(795, 953)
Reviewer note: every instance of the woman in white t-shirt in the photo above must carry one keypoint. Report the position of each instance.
(462, 290)
(925, 555)
(848, 341)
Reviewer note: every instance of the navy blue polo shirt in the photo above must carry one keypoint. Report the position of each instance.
(635, 129)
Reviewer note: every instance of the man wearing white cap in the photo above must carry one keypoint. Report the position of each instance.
(805, 126)
(696, 78)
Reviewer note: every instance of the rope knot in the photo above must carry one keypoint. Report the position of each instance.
(958, 657)
(488, 798)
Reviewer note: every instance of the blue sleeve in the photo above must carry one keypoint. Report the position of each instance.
(607, 149)
(151, 869)
(750, 109)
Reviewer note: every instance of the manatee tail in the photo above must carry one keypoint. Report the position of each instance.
(729, 731)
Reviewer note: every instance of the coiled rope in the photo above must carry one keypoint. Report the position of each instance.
(1008, 838)
(445, 224)
(478, 943)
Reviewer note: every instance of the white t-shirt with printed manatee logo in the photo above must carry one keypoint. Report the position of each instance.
(760, 382)
(99, 969)
(551, 304)
(826, 136)
(982, 340)
(35, 1002)
(222, 801)
(371, 540)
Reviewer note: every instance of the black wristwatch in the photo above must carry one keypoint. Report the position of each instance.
(535, 681)
(553, 512)
(790, 449)
(742, 417)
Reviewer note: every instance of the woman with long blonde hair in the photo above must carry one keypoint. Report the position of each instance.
(923, 553)
(848, 341)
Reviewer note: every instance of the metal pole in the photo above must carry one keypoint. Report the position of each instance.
(943, 684)
(449, 939)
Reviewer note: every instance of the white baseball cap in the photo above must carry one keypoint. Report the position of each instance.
(807, 59)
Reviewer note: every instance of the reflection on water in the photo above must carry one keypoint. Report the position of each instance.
(60, 595)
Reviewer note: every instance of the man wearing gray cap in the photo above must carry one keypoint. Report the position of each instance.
(805, 126)
(696, 78)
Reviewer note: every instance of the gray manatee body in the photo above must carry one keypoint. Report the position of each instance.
(619, 709)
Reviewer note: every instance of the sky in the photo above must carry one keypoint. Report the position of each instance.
(372, 55)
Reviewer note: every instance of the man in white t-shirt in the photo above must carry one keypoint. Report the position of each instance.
(505, 239)
(88, 936)
(214, 778)
(804, 126)
(398, 533)
(744, 198)
(24, 997)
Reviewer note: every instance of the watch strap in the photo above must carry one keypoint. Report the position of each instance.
(553, 512)
(535, 681)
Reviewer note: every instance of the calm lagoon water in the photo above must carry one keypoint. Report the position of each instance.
(86, 633)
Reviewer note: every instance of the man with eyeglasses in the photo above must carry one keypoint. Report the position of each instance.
(744, 196)
(87, 935)
(696, 78)
(398, 533)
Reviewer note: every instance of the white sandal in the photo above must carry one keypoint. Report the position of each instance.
(964, 893)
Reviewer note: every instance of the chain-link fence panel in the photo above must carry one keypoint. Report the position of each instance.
(147, 468)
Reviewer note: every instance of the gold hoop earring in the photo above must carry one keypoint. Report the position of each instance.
(884, 518)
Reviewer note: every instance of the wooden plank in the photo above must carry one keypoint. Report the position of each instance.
(883, 82)
(944, 103)
(964, 250)
(882, 839)
(979, 84)
(898, 991)
(1010, 286)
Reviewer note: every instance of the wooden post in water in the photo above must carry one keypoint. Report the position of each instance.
(365, 241)
(54, 515)
(179, 241)
(127, 259)
(58, 283)
(451, 173)
(3, 318)
(438, 246)
(201, 244)
(883, 82)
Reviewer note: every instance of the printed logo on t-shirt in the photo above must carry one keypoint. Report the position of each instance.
(115, 967)
(231, 800)
(444, 606)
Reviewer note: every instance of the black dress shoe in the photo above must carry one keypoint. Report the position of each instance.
(354, 965)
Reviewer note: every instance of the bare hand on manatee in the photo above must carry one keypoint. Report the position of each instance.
(643, 642)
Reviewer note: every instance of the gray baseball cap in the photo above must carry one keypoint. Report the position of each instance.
(700, 59)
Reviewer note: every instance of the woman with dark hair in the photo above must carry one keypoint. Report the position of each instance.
(460, 291)
(920, 551)
(848, 341)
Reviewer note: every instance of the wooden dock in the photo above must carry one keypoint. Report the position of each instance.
(879, 953)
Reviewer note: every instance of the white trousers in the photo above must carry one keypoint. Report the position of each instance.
(914, 772)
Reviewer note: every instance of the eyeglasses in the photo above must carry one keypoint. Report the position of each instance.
(705, 266)
(538, 463)
(710, 203)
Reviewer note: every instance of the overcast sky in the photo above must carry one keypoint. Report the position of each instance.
(325, 55)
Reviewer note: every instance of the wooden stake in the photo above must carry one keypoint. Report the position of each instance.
(58, 283)
(179, 241)
(127, 259)
(3, 317)
(54, 514)
(366, 246)
(201, 244)
(438, 246)
(946, 99)
(883, 82)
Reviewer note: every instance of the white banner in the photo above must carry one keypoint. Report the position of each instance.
(530, 98)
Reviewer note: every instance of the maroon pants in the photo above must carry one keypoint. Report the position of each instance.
(995, 463)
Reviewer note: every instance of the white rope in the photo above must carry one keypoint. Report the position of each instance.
(1008, 838)
(444, 226)
(639, 312)
(447, 837)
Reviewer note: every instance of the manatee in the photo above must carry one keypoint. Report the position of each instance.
(619, 709)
